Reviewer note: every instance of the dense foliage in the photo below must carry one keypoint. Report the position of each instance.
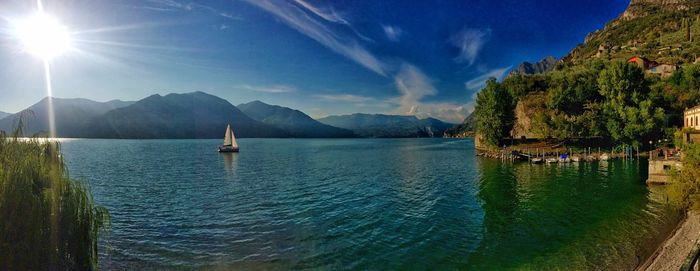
(670, 36)
(630, 112)
(47, 221)
(616, 101)
(684, 189)
(494, 112)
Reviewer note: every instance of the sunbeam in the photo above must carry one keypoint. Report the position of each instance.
(49, 93)
(42, 36)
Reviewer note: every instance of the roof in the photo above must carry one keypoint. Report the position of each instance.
(694, 107)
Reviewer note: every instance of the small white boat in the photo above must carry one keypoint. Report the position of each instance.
(536, 160)
(604, 157)
(576, 159)
(230, 144)
(551, 160)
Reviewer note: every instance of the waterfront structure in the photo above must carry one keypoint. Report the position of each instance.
(661, 162)
(691, 125)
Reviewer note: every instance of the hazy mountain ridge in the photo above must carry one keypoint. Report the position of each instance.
(465, 129)
(292, 121)
(190, 115)
(71, 115)
(4, 114)
(201, 115)
(388, 126)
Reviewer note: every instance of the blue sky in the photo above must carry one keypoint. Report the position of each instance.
(425, 58)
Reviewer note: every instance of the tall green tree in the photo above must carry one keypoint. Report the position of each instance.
(632, 117)
(494, 113)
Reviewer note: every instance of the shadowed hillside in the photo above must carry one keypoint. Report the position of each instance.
(378, 125)
(190, 115)
(294, 122)
(71, 116)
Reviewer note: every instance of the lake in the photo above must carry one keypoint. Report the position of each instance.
(377, 204)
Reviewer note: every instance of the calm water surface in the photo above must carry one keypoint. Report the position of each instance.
(362, 204)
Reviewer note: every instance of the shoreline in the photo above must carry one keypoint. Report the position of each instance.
(673, 251)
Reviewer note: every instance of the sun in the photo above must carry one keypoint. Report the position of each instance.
(43, 36)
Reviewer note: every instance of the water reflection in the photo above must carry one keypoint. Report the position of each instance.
(568, 215)
(230, 164)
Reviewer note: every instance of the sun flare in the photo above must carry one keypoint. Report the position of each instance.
(43, 36)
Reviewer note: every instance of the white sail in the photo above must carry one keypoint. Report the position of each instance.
(228, 137)
(233, 140)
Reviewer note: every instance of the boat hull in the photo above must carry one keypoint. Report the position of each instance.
(228, 149)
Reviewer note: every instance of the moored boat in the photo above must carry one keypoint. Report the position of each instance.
(230, 144)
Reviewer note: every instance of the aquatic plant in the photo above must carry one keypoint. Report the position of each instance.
(47, 220)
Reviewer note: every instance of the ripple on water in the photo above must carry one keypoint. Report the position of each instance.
(360, 204)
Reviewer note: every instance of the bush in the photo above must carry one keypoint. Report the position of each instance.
(47, 221)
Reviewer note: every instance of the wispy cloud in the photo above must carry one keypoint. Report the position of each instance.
(470, 42)
(299, 19)
(414, 86)
(269, 89)
(330, 15)
(348, 98)
(393, 33)
(477, 83)
(173, 5)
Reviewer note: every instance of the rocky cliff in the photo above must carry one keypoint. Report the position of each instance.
(526, 68)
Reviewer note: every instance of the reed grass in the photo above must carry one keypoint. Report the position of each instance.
(47, 220)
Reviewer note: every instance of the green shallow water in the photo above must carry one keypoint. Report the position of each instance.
(366, 204)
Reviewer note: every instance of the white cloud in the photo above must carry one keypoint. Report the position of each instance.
(450, 112)
(268, 89)
(393, 33)
(470, 42)
(477, 83)
(414, 85)
(300, 20)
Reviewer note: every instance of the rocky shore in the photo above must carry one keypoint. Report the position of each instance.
(672, 253)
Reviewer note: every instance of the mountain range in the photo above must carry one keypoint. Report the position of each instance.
(294, 122)
(388, 126)
(190, 115)
(4, 114)
(542, 66)
(71, 115)
(201, 115)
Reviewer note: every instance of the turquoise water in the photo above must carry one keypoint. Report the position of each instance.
(377, 204)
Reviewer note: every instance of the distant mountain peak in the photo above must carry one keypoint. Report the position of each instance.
(293, 121)
(526, 68)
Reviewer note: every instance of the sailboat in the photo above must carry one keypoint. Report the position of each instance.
(230, 144)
